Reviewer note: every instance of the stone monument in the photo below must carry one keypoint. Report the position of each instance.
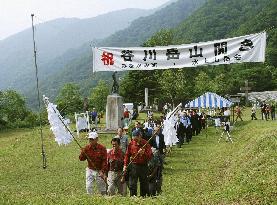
(146, 97)
(114, 107)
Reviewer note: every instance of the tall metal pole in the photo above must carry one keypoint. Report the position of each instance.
(44, 165)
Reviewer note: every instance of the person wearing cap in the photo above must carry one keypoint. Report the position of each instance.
(115, 160)
(96, 155)
(138, 155)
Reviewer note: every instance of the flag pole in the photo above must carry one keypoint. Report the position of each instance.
(44, 164)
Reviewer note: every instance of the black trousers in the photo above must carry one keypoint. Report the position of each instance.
(253, 116)
(188, 134)
(155, 183)
(138, 172)
(181, 139)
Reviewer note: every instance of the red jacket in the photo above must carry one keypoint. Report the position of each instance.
(115, 160)
(98, 157)
(126, 114)
(133, 149)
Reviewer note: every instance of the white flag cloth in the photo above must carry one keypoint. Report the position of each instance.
(169, 132)
(248, 48)
(62, 136)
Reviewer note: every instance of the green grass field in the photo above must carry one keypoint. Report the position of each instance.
(202, 172)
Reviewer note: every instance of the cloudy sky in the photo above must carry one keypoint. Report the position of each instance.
(15, 15)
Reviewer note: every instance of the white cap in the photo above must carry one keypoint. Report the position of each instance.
(92, 135)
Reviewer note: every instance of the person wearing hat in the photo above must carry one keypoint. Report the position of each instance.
(138, 155)
(96, 155)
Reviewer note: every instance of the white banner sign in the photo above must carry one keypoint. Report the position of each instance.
(249, 48)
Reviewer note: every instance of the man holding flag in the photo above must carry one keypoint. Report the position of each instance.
(138, 154)
(96, 155)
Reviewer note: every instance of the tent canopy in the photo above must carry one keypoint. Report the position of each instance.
(209, 100)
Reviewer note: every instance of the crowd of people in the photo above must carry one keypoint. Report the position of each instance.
(127, 162)
(139, 159)
(267, 111)
(189, 123)
(143, 156)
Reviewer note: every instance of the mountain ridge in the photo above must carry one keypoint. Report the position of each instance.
(53, 39)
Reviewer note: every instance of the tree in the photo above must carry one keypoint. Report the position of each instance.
(69, 99)
(162, 38)
(203, 83)
(1, 105)
(133, 85)
(12, 106)
(176, 86)
(220, 84)
(98, 96)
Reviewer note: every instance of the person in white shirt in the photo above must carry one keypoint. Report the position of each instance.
(227, 114)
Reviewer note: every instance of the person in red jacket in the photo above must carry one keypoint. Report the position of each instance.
(138, 154)
(115, 159)
(96, 155)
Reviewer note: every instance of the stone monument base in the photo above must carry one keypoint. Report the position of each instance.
(114, 112)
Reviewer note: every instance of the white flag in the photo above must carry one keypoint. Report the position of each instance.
(249, 48)
(61, 133)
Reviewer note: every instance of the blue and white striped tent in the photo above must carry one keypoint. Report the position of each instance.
(209, 100)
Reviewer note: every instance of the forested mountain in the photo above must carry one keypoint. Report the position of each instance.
(217, 19)
(181, 22)
(79, 69)
(58, 42)
(143, 28)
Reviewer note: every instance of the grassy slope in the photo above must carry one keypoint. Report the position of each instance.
(203, 172)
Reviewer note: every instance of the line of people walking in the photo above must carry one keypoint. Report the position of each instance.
(267, 111)
(189, 123)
